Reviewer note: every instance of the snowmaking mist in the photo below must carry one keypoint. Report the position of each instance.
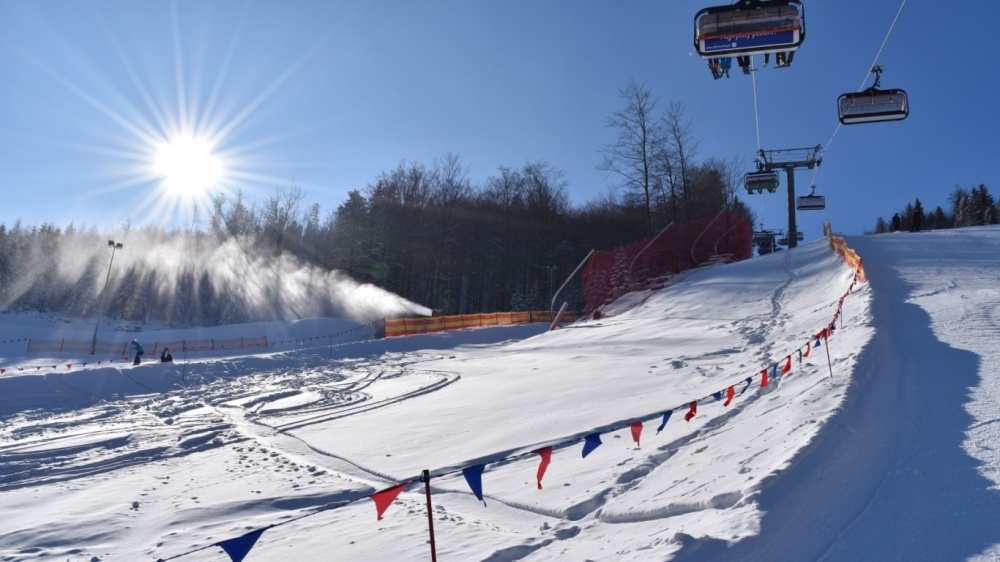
(184, 279)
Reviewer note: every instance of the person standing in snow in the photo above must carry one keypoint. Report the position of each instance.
(138, 351)
(895, 222)
(166, 357)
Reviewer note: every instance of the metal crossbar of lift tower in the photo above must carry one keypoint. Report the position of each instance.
(795, 157)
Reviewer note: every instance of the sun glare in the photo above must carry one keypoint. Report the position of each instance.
(188, 166)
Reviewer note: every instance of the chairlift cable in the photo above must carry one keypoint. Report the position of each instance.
(756, 114)
(884, 41)
(860, 88)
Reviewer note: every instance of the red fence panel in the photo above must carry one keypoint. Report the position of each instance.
(610, 274)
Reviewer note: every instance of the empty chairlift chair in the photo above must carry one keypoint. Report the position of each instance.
(811, 202)
(873, 105)
(750, 27)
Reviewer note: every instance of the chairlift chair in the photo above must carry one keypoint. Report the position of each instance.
(783, 241)
(758, 182)
(873, 105)
(762, 237)
(811, 202)
(750, 27)
(764, 241)
(767, 246)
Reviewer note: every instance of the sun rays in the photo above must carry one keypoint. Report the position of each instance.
(181, 122)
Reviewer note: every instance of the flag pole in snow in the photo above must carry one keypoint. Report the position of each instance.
(425, 477)
(826, 344)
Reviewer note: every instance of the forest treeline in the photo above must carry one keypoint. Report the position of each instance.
(968, 207)
(425, 232)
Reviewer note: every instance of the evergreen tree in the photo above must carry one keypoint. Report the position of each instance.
(983, 207)
(961, 208)
(881, 226)
(917, 219)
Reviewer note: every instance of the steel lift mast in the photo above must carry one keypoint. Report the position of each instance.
(788, 160)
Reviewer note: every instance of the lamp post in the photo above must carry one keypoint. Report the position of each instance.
(100, 307)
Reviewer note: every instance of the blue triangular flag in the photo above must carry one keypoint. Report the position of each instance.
(745, 388)
(666, 418)
(717, 396)
(817, 343)
(238, 548)
(774, 372)
(800, 355)
(592, 442)
(474, 476)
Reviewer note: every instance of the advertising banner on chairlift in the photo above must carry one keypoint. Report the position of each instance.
(777, 40)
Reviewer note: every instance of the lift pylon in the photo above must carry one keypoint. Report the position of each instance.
(789, 159)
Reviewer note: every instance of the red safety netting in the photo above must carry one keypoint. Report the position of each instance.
(611, 274)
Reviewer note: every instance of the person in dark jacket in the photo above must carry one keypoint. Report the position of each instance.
(166, 357)
(138, 351)
(895, 223)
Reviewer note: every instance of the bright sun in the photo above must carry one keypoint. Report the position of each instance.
(187, 165)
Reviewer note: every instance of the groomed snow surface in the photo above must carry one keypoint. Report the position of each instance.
(893, 457)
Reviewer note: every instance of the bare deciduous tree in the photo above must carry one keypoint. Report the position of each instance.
(279, 210)
(678, 152)
(639, 135)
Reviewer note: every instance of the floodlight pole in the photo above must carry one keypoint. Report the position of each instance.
(788, 160)
(100, 307)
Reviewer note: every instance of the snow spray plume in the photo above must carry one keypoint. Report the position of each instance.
(184, 279)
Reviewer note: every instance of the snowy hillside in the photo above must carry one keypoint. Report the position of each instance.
(882, 450)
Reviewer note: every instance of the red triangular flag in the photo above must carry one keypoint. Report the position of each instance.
(692, 412)
(636, 431)
(788, 365)
(69, 365)
(2, 371)
(808, 347)
(546, 454)
(763, 378)
(729, 395)
(384, 498)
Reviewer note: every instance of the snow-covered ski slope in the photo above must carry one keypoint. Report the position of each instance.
(894, 457)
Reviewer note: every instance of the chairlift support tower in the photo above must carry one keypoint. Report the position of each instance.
(788, 160)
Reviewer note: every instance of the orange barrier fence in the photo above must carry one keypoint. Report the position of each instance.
(840, 247)
(426, 325)
(124, 348)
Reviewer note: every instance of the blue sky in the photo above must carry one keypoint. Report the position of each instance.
(326, 95)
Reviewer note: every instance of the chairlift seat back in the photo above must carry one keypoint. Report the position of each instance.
(810, 203)
(750, 27)
(873, 105)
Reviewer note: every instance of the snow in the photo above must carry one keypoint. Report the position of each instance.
(886, 452)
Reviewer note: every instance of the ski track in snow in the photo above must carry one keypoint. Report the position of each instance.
(151, 428)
